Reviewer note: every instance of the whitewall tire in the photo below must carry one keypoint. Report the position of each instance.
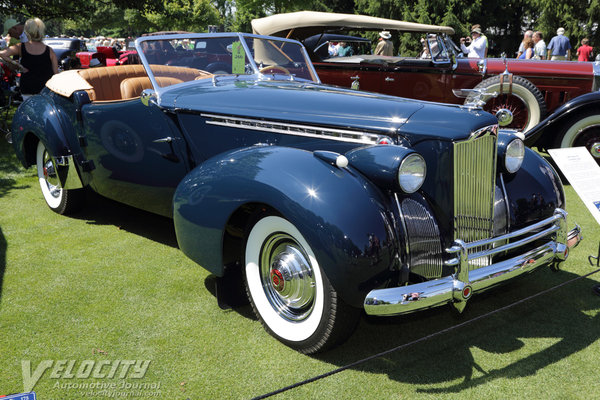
(289, 291)
(522, 98)
(582, 130)
(59, 200)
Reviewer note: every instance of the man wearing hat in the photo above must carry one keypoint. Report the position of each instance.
(15, 30)
(385, 47)
(559, 47)
(478, 46)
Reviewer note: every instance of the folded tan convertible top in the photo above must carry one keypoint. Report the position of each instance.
(308, 23)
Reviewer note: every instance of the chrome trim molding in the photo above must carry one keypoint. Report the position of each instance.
(292, 129)
(596, 84)
(458, 287)
(423, 237)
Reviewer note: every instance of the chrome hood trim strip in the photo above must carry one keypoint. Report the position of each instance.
(320, 132)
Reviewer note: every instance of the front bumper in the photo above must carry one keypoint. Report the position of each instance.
(459, 287)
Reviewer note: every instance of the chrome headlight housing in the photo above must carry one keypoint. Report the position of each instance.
(514, 155)
(411, 173)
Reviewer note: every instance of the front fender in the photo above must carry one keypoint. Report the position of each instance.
(533, 192)
(566, 110)
(343, 217)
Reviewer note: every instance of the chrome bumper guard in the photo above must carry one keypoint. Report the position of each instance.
(459, 287)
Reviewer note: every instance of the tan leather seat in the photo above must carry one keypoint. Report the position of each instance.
(106, 81)
(133, 87)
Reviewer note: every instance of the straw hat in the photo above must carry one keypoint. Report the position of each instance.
(385, 34)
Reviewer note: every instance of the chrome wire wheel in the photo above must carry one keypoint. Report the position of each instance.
(521, 98)
(287, 277)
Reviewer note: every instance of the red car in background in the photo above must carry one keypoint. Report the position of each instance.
(519, 92)
(104, 56)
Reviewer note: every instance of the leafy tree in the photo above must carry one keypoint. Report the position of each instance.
(186, 15)
(61, 9)
(247, 10)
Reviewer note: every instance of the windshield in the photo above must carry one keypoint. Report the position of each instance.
(208, 55)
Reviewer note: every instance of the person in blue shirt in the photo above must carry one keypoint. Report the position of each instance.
(344, 50)
(559, 47)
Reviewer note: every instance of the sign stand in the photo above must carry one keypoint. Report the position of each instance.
(583, 173)
(596, 287)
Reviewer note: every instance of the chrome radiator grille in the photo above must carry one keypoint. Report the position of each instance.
(474, 187)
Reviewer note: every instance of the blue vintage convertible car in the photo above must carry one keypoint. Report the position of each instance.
(325, 202)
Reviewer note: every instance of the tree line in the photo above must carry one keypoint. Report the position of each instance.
(503, 21)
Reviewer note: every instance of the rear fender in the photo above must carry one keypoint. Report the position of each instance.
(343, 217)
(37, 119)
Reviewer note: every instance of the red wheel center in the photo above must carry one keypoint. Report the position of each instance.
(467, 292)
(277, 280)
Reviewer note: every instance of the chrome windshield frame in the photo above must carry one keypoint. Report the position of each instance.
(242, 38)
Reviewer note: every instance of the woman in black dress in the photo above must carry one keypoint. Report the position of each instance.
(38, 61)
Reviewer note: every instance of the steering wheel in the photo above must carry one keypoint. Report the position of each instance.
(276, 68)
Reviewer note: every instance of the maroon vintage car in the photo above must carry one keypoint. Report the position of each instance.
(519, 92)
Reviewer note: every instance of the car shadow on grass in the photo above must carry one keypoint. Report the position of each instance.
(99, 210)
(512, 343)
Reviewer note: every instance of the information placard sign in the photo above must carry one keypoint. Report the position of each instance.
(583, 173)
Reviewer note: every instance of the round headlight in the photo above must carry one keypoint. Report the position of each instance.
(411, 173)
(513, 158)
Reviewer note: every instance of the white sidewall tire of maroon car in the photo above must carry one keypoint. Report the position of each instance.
(521, 88)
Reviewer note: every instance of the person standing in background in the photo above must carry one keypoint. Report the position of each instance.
(585, 52)
(385, 47)
(478, 46)
(528, 52)
(559, 47)
(38, 60)
(539, 51)
(527, 35)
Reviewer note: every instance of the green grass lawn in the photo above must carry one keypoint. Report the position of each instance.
(110, 284)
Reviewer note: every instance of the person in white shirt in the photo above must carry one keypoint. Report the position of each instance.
(539, 51)
(478, 46)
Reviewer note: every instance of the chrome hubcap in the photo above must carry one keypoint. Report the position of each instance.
(505, 117)
(50, 175)
(595, 150)
(287, 277)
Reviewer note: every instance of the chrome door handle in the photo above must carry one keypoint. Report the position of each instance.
(388, 79)
(167, 139)
(355, 78)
